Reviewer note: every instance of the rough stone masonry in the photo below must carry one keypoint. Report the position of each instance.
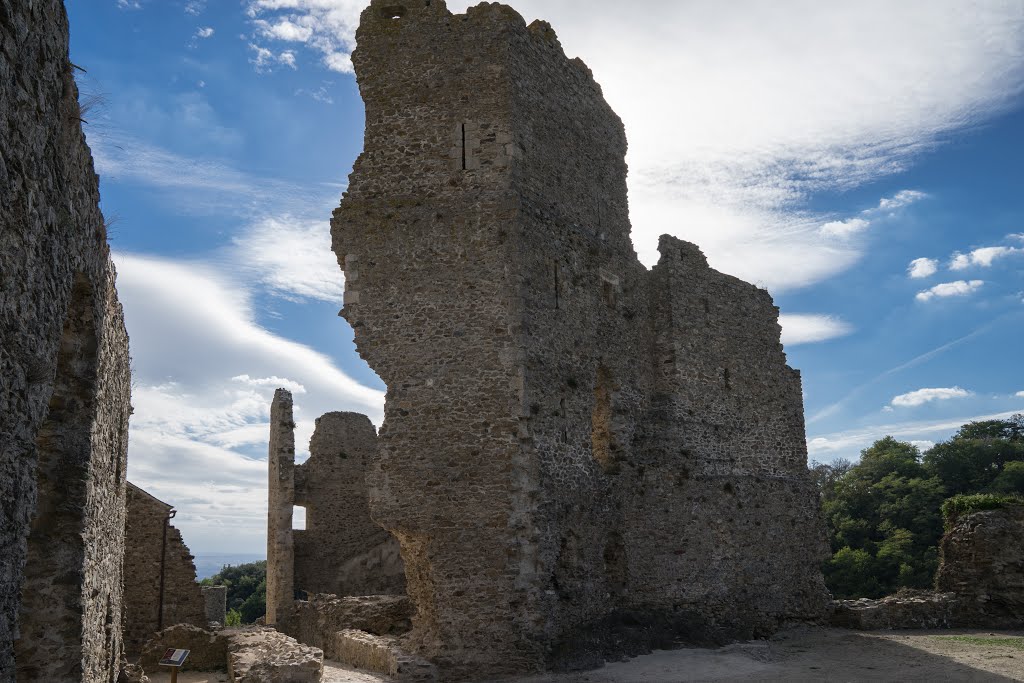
(160, 587)
(341, 551)
(64, 372)
(572, 442)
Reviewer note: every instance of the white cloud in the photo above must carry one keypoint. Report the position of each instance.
(844, 229)
(128, 4)
(802, 328)
(204, 32)
(923, 445)
(848, 442)
(947, 289)
(1018, 236)
(982, 257)
(922, 267)
(921, 396)
(1019, 394)
(326, 26)
(195, 7)
(292, 257)
(204, 374)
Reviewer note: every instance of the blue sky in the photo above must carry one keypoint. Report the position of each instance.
(861, 160)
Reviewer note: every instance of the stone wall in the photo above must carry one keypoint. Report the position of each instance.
(160, 587)
(64, 371)
(982, 561)
(341, 551)
(567, 435)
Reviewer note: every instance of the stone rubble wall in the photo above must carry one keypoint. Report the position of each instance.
(982, 561)
(266, 656)
(215, 599)
(342, 551)
(183, 601)
(64, 371)
(567, 435)
(280, 503)
(381, 654)
(315, 621)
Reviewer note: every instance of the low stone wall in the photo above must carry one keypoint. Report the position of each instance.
(315, 621)
(266, 656)
(381, 654)
(909, 609)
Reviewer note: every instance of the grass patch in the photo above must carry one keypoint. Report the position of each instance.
(964, 504)
(1015, 643)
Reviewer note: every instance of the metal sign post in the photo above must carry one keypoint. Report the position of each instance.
(174, 659)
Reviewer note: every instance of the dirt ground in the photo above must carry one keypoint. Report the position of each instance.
(803, 654)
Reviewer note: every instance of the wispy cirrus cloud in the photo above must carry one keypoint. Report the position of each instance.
(944, 290)
(919, 397)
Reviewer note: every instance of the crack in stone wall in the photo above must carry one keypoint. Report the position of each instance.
(64, 371)
(567, 435)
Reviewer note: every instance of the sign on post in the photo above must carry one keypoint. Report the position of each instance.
(174, 658)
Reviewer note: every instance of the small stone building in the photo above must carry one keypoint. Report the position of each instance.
(160, 588)
(572, 443)
(341, 551)
(64, 372)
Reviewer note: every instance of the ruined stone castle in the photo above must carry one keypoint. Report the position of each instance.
(64, 375)
(571, 442)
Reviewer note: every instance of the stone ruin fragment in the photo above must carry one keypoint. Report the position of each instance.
(580, 456)
(160, 588)
(341, 551)
(64, 372)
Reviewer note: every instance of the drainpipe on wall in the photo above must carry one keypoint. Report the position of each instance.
(163, 559)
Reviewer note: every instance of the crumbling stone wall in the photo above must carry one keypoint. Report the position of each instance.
(160, 587)
(568, 436)
(341, 551)
(982, 562)
(64, 372)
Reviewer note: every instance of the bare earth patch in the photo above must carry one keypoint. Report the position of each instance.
(801, 654)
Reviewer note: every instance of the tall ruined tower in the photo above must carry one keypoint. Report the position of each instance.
(567, 435)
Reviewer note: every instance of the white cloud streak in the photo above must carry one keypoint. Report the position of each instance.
(920, 397)
(204, 32)
(922, 268)
(848, 442)
(803, 328)
(948, 289)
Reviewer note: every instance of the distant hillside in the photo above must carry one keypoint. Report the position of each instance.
(208, 564)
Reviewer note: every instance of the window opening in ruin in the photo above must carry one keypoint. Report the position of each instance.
(463, 147)
(393, 12)
(555, 269)
(51, 607)
(298, 518)
(602, 438)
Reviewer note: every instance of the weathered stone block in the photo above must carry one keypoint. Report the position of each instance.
(266, 656)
